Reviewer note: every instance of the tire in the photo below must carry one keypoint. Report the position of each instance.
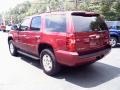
(12, 49)
(4, 30)
(49, 63)
(113, 42)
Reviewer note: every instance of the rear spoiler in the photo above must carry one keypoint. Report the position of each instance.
(87, 14)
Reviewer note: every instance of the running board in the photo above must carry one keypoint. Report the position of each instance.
(26, 54)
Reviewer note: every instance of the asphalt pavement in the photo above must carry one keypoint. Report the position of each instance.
(23, 73)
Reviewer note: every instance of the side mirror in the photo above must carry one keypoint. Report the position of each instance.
(25, 28)
(15, 27)
(22, 28)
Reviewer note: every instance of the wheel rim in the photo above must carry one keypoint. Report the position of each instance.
(47, 62)
(112, 42)
(11, 48)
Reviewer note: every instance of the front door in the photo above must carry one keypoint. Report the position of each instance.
(22, 34)
(33, 35)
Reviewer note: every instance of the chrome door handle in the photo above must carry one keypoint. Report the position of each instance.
(94, 36)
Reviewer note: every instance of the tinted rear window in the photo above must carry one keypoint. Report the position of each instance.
(88, 23)
(115, 27)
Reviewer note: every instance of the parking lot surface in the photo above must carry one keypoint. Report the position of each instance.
(23, 73)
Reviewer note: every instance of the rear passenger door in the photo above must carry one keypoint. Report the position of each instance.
(55, 30)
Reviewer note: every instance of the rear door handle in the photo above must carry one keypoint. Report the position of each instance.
(94, 36)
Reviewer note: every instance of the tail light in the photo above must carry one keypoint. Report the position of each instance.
(70, 42)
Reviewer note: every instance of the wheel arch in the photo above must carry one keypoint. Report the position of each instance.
(115, 36)
(9, 38)
(43, 46)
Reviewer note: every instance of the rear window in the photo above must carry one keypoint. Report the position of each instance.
(55, 23)
(115, 27)
(88, 23)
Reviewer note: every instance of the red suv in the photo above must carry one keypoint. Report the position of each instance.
(61, 38)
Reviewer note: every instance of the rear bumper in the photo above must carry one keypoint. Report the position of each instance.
(73, 58)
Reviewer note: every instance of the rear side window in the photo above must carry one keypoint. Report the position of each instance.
(55, 23)
(36, 23)
(86, 23)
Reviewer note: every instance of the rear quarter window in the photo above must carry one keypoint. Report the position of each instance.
(55, 23)
(88, 23)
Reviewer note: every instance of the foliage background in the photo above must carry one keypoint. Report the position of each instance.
(109, 8)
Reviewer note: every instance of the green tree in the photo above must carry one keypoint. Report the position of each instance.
(18, 12)
(117, 9)
(109, 8)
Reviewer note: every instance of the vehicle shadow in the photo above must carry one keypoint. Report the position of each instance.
(31, 61)
(90, 76)
(84, 76)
